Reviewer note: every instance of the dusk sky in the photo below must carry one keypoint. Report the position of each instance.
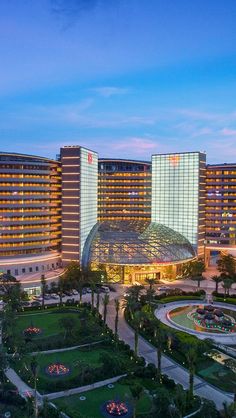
(127, 78)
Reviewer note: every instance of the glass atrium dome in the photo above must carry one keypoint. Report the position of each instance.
(136, 242)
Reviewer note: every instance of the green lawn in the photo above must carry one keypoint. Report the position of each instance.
(76, 360)
(218, 375)
(90, 408)
(47, 321)
(87, 328)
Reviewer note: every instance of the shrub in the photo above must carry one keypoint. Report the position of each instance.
(169, 383)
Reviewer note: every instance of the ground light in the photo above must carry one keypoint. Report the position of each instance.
(117, 408)
(57, 369)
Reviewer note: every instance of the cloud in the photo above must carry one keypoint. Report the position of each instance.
(228, 132)
(110, 91)
(136, 144)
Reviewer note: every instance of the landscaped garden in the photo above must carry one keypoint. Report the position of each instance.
(91, 404)
(73, 368)
(184, 348)
(59, 327)
(148, 397)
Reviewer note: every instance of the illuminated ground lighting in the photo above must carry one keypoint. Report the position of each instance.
(32, 331)
(206, 318)
(117, 408)
(57, 369)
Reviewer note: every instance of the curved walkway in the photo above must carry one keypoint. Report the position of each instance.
(175, 371)
(162, 313)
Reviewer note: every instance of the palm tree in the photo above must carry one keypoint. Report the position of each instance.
(43, 289)
(160, 342)
(98, 300)
(227, 284)
(130, 304)
(217, 280)
(137, 324)
(151, 282)
(105, 303)
(135, 291)
(117, 307)
(191, 357)
(34, 371)
(229, 410)
(136, 392)
(227, 265)
(93, 288)
(150, 295)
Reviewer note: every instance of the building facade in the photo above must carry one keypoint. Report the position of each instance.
(221, 208)
(79, 199)
(30, 214)
(124, 190)
(178, 194)
(132, 218)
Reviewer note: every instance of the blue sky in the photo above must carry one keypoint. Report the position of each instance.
(127, 78)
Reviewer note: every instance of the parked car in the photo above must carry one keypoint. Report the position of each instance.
(105, 289)
(84, 291)
(35, 303)
(47, 297)
(25, 303)
(68, 293)
(163, 288)
(75, 292)
(54, 296)
(88, 290)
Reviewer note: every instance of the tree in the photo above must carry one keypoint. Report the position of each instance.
(98, 300)
(43, 289)
(191, 357)
(117, 308)
(130, 304)
(135, 292)
(105, 304)
(72, 274)
(217, 280)
(62, 285)
(3, 366)
(34, 371)
(136, 393)
(69, 324)
(194, 269)
(151, 282)
(227, 265)
(150, 293)
(93, 288)
(229, 410)
(160, 343)
(227, 284)
(137, 324)
(198, 279)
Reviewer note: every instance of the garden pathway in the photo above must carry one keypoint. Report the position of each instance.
(82, 389)
(175, 371)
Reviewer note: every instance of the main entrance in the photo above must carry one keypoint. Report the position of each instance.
(141, 277)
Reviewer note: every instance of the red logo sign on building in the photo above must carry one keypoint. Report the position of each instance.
(90, 158)
(174, 160)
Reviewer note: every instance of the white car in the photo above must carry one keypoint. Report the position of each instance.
(75, 292)
(54, 296)
(89, 290)
(105, 289)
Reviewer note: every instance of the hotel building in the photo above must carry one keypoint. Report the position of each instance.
(30, 214)
(133, 218)
(178, 194)
(79, 199)
(220, 209)
(124, 190)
